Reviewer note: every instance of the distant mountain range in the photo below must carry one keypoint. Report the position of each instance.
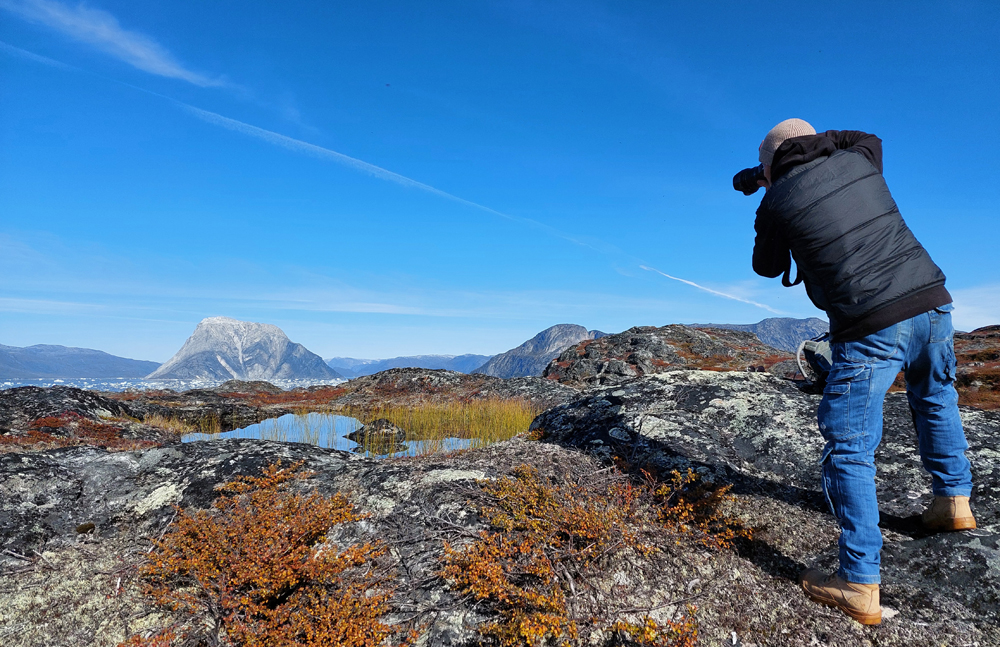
(531, 357)
(44, 360)
(784, 333)
(222, 348)
(351, 367)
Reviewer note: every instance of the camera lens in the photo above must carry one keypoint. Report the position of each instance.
(746, 180)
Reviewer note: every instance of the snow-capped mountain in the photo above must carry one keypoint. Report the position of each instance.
(222, 348)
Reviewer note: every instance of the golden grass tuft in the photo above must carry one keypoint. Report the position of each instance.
(210, 425)
(170, 424)
(482, 422)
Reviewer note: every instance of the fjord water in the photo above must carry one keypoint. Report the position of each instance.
(118, 384)
(327, 430)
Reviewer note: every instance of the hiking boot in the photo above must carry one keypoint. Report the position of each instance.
(860, 601)
(948, 513)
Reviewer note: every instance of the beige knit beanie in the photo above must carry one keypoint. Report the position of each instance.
(785, 130)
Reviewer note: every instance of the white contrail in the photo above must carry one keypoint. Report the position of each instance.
(711, 291)
(101, 30)
(31, 56)
(300, 146)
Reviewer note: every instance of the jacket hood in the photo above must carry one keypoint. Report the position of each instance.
(800, 150)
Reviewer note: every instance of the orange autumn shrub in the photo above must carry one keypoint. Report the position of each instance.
(548, 541)
(74, 430)
(257, 570)
(162, 638)
(679, 633)
(688, 504)
(541, 531)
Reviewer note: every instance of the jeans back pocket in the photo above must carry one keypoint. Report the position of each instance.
(941, 327)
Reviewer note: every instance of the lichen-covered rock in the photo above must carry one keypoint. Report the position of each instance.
(753, 430)
(129, 498)
(208, 409)
(247, 386)
(409, 386)
(21, 406)
(33, 418)
(646, 350)
(48, 494)
(759, 432)
(379, 431)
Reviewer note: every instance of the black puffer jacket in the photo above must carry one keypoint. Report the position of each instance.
(830, 209)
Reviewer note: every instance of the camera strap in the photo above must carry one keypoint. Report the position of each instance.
(788, 272)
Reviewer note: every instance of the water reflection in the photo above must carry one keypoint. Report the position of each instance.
(330, 430)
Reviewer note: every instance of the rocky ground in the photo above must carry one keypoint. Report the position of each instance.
(66, 582)
(759, 433)
(978, 355)
(410, 386)
(41, 418)
(78, 509)
(646, 350)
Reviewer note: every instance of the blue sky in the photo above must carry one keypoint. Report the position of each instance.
(383, 179)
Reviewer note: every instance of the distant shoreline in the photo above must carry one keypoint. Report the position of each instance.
(116, 384)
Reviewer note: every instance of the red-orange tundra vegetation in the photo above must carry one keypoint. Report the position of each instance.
(547, 541)
(256, 569)
(74, 430)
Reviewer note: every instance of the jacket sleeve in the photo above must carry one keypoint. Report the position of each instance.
(771, 254)
(868, 145)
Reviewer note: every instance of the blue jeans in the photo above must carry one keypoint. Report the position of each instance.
(850, 419)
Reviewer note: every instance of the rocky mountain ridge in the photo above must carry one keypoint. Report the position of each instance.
(222, 348)
(531, 357)
(783, 333)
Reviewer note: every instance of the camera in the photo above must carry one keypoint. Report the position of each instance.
(746, 180)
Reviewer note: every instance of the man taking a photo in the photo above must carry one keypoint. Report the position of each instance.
(827, 207)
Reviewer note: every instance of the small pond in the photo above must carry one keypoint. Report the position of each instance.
(328, 430)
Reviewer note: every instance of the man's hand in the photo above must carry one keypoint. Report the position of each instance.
(766, 182)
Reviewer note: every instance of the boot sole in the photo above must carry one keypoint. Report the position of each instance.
(952, 525)
(863, 618)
